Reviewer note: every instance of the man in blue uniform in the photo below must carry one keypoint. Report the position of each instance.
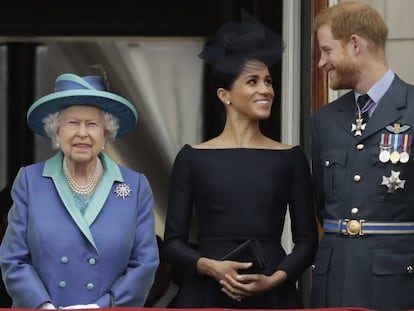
(363, 168)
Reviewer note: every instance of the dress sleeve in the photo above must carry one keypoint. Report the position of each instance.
(177, 249)
(303, 219)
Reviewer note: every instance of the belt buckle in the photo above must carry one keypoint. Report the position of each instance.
(353, 227)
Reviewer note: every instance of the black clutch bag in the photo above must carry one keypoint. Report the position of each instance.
(249, 251)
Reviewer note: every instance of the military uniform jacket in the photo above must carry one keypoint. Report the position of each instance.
(51, 252)
(351, 182)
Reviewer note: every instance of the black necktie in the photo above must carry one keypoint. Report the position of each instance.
(363, 107)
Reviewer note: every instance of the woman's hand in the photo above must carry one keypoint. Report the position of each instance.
(218, 269)
(245, 285)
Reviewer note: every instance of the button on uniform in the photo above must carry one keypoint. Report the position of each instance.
(64, 259)
(90, 286)
(354, 211)
(357, 178)
(92, 261)
(360, 147)
(62, 284)
(410, 269)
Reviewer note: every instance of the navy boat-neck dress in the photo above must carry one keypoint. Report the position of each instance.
(236, 195)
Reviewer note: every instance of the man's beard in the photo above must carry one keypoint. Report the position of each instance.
(344, 76)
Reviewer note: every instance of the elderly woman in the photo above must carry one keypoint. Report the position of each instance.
(81, 228)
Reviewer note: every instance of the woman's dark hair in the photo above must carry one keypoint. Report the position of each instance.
(214, 111)
(221, 79)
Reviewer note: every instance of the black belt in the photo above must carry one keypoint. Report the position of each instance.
(360, 227)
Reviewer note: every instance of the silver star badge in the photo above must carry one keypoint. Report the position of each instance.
(123, 191)
(358, 127)
(393, 182)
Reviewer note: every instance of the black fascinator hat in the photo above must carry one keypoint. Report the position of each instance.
(238, 41)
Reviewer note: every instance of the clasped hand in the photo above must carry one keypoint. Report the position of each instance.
(237, 285)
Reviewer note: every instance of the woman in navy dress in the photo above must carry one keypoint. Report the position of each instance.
(239, 186)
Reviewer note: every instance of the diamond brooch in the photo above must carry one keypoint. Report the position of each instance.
(123, 191)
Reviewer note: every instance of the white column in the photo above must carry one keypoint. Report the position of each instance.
(290, 89)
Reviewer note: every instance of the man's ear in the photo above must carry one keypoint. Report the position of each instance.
(356, 42)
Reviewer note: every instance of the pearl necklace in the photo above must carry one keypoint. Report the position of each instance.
(90, 186)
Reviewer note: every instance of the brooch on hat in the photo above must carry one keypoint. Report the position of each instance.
(123, 191)
(103, 73)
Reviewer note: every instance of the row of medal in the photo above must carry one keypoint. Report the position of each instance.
(395, 148)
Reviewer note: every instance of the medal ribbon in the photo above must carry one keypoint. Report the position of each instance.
(403, 142)
(406, 143)
(368, 105)
(396, 142)
(384, 140)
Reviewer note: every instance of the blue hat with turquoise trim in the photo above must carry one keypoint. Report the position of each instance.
(71, 90)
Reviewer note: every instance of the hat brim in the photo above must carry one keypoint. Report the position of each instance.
(109, 102)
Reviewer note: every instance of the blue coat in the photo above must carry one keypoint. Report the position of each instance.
(374, 271)
(51, 252)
